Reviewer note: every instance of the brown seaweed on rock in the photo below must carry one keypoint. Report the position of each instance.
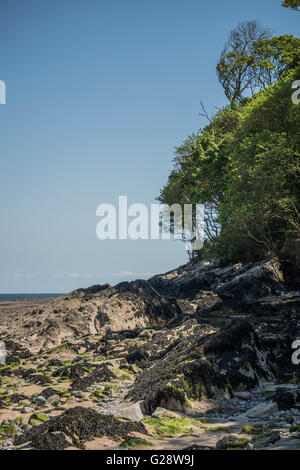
(76, 426)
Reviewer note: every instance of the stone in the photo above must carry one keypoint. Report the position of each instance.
(133, 411)
(243, 395)
(286, 444)
(53, 400)
(261, 280)
(266, 439)
(8, 430)
(232, 442)
(285, 400)
(263, 410)
(37, 418)
(79, 394)
(163, 413)
(27, 409)
(40, 400)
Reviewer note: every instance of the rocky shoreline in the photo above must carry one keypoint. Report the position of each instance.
(197, 358)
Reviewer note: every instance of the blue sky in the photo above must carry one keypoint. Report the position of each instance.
(99, 93)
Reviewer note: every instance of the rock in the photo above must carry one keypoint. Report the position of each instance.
(10, 359)
(48, 392)
(133, 411)
(231, 442)
(27, 409)
(76, 426)
(79, 394)
(218, 276)
(266, 439)
(184, 282)
(53, 400)
(21, 420)
(7, 445)
(40, 400)
(37, 418)
(17, 397)
(243, 395)
(8, 430)
(262, 280)
(56, 440)
(263, 410)
(270, 390)
(201, 365)
(102, 373)
(93, 289)
(92, 311)
(196, 447)
(286, 399)
(239, 355)
(134, 349)
(173, 385)
(163, 413)
(286, 444)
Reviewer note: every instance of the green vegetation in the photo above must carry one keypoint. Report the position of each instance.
(294, 4)
(257, 429)
(55, 348)
(295, 428)
(136, 442)
(244, 166)
(37, 419)
(122, 374)
(217, 429)
(294, 379)
(231, 443)
(8, 430)
(168, 427)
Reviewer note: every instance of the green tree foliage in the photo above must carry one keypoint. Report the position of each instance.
(234, 69)
(252, 60)
(273, 58)
(262, 195)
(294, 4)
(245, 168)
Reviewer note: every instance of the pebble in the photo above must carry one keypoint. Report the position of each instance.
(40, 400)
(27, 409)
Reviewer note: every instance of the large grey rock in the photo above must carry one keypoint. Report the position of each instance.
(265, 439)
(243, 395)
(288, 443)
(260, 281)
(40, 400)
(132, 411)
(263, 410)
(53, 400)
(27, 409)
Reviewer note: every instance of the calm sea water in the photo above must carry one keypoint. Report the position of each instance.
(12, 297)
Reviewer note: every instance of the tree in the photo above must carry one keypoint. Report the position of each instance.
(234, 69)
(261, 202)
(251, 61)
(245, 168)
(294, 4)
(274, 58)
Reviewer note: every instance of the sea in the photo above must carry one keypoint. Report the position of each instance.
(13, 297)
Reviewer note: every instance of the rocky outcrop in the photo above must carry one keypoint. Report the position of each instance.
(204, 366)
(90, 312)
(262, 280)
(237, 282)
(74, 427)
(239, 355)
(206, 339)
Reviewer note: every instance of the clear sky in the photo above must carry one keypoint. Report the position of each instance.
(99, 93)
